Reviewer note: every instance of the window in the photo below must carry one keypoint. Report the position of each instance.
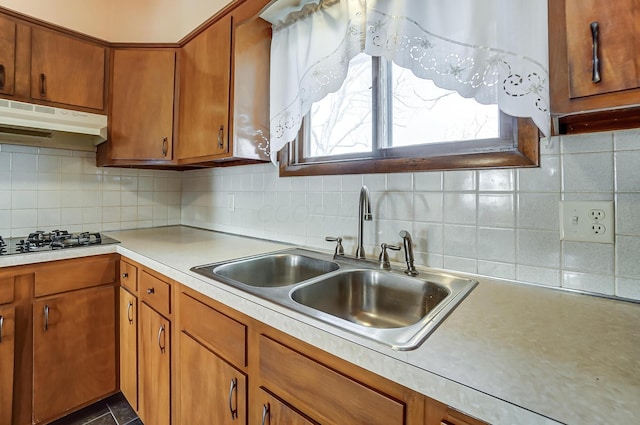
(385, 119)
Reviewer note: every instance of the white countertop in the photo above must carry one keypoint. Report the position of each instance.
(508, 354)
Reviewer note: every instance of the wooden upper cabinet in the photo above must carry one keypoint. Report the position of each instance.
(204, 94)
(67, 70)
(141, 112)
(594, 68)
(7, 55)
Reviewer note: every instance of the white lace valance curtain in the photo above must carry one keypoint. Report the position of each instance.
(492, 50)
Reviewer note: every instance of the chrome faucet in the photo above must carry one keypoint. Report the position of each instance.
(408, 253)
(364, 213)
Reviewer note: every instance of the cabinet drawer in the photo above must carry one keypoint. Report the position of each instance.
(6, 290)
(155, 292)
(220, 333)
(68, 275)
(129, 276)
(323, 393)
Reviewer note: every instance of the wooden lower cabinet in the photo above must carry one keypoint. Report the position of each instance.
(74, 352)
(155, 367)
(7, 347)
(211, 390)
(129, 347)
(276, 412)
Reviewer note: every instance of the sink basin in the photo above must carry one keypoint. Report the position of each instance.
(355, 296)
(372, 298)
(272, 270)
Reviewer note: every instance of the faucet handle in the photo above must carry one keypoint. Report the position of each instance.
(384, 255)
(339, 248)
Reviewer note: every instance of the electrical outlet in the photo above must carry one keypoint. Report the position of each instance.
(587, 221)
(597, 215)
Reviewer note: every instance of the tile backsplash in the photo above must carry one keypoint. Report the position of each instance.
(500, 223)
(50, 189)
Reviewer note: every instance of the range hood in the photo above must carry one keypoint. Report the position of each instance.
(43, 126)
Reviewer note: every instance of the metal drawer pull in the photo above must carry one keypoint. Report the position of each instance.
(129, 310)
(1, 323)
(151, 291)
(165, 146)
(233, 387)
(221, 137)
(43, 85)
(46, 318)
(595, 63)
(2, 76)
(160, 333)
(125, 275)
(266, 411)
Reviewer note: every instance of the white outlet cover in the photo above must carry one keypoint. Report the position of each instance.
(577, 223)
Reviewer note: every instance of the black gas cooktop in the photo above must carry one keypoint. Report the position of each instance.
(40, 241)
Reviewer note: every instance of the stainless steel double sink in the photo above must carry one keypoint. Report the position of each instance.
(354, 295)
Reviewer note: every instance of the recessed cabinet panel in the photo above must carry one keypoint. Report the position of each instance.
(7, 349)
(74, 359)
(129, 347)
(602, 59)
(141, 118)
(276, 412)
(7, 55)
(67, 70)
(7, 290)
(204, 94)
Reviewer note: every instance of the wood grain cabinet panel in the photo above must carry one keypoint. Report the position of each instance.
(155, 292)
(204, 94)
(129, 276)
(67, 70)
(211, 390)
(74, 360)
(612, 100)
(322, 393)
(142, 104)
(67, 275)
(276, 412)
(154, 398)
(7, 290)
(7, 350)
(129, 347)
(7, 55)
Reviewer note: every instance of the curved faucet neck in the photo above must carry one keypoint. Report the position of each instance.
(364, 213)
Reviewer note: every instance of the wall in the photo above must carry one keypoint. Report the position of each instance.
(501, 223)
(48, 189)
(123, 20)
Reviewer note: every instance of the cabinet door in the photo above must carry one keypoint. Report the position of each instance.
(7, 55)
(154, 359)
(204, 93)
(141, 119)
(275, 412)
(211, 391)
(617, 47)
(74, 359)
(129, 347)
(67, 70)
(7, 344)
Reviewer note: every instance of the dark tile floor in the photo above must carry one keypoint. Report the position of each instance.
(112, 411)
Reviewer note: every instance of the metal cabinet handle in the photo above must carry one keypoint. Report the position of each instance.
(151, 291)
(595, 62)
(266, 411)
(43, 85)
(164, 344)
(1, 323)
(125, 275)
(129, 311)
(2, 76)
(221, 137)
(165, 146)
(233, 387)
(46, 318)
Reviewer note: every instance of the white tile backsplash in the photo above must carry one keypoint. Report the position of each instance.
(500, 223)
(52, 188)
